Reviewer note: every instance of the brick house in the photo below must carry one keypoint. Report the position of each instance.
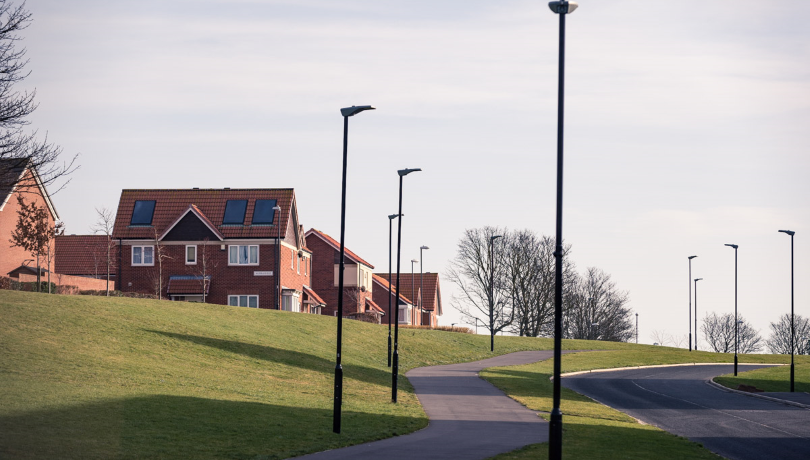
(430, 300)
(17, 179)
(382, 289)
(358, 301)
(86, 256)
(223, 246)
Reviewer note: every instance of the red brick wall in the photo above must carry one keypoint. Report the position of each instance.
(13, 257)
(84, 284)
(323, 280)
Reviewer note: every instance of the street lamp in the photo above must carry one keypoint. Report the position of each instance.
(395, 370)
(696, 336)
(346, 113)
(421, 286)
(492, 292)
(277, 210)
(414, 297)
(637, 327)
(555, 427)
(792, 328)
(391, 218)
(690, 306)
(735, 306)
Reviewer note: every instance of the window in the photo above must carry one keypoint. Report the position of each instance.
(142, 213)
(263, 212)
(234, 212)
(298, 267)
(143, 255)
(243, 255)
(191, 255)
(290, 302)
(404, 314)
(250, 301)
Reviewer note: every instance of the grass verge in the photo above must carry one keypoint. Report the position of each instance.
(775, 379)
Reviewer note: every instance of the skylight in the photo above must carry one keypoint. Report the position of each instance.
(142, 213)
(235, 212)
(263, 213)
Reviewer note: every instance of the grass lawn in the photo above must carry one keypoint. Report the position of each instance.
(92, 377)
(773, 378)
(592, 430)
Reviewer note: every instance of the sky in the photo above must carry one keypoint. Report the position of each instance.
(686, 127)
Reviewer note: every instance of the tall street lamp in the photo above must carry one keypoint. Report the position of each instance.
(391, 218)
(277, 210)
(413, 281)
(736, 324)
(696, 336)
(555, 427)
(395, 370)
(421, 286)
(346, 112)
(636, 327)
(492, 292)
(690, 306)
(792, 327)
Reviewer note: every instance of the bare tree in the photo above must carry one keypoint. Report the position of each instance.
(20, 149)
(57, 229)
(659, 337)
(482, 279)
(205, 267)
(104, 225)
(779, 341)
(160, 255)
(597, 309)
(32, 232)
(718, 331)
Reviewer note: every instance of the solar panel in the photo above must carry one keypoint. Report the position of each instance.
(142, 213)
(263, 213)
(235, 212)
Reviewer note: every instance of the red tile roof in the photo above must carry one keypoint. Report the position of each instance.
(411, 288)
(84, 255)
(370, 305)
(336, 244)
(188, 284)
(317, 300)
(388, 287)
(172, 203)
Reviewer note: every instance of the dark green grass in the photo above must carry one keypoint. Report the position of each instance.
(775, 379)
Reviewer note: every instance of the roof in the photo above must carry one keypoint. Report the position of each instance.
(83, 255)
(12, 177)
(188, 284)
(196, 211)
(336, 245)
(314, 298)
(385, 285)
(172, 204)
(370, 305)
(409, 285)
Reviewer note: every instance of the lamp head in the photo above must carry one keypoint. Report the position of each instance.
(563, 7)
(414, 261)
(406, 171)
(789, 232)
(353, 110)
(692, 257)
(732, 246)
(495, 237)
(393, 216)
(698, 279)
(424, 247)
(276, 208)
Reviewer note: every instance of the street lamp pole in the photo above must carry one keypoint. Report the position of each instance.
(792, 327)
(421, 286)
(492, 292)
(736, 324)
(277, 209)
(696, 336)
(690, 306)
(637, 327)
(346, 112)
(395, 370)
(391, 218)
(555, 427)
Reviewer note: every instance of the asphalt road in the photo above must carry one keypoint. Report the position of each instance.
(469, 418)
(679, 400)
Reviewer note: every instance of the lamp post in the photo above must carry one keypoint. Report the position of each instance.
(735, 306)
(413, 293)
(690, 306)
(346, 113)
(492, 292)
(391, 218)
(555, 427)
(421, 286)
(277, 210)
(792, 327)
(637, 327)
(696, 336)
(395, 370)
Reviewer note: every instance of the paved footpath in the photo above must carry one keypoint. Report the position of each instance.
(469, 418)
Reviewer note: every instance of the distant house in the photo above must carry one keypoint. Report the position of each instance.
(425, 290)
(17, 179)
(358, 301)
(225, 246)
(86, 256)
(382, 290)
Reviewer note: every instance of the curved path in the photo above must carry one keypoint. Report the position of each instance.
(469, 418)
(680, 400)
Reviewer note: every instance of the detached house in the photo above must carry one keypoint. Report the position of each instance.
(358, 301)
(239, 247)
(382, 290)
(426, 293)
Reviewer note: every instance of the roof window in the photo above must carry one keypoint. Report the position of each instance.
(263, 212)
(142, 213)
(235, 212)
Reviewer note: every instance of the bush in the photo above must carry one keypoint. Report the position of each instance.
(103, 292)
(9, 284)
(463, 330)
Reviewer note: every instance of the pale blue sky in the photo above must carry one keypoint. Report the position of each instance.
(686, 126)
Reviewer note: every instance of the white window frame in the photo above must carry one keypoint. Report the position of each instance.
(298, 266)
(193, 262)
(291, 302)
(239, 299)
(238, 250)
(142, 263)
(404, 310)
